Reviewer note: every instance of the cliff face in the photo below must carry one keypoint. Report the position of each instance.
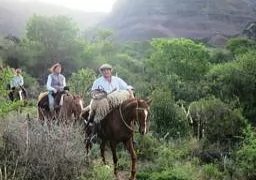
(14, 15)
(145, 19)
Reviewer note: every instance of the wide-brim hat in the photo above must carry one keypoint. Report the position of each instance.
(54, 67)
(105, 66)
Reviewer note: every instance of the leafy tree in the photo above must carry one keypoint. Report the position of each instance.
(81, 81)
(217, 121)
(236, 81)
(181, 65)
(179, 56)
(240, 45)
(52, 39)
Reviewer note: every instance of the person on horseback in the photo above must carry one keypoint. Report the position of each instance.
(16, 82)
(56, 82)
(106, 83)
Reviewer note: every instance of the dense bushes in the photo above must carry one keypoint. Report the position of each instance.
(246, 155)
(216, 121)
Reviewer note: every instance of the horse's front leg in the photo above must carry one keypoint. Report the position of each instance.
(102, 151)
(114, 156)
(129, 146)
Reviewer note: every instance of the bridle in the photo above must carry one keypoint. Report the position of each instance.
(133, 121)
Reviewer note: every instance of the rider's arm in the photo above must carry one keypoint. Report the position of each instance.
(21, 81)
(48, 84)
(95, 84)
(64, 82)
(123, 86)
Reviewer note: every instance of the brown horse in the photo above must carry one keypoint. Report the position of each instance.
(71, 105)
(118, 126)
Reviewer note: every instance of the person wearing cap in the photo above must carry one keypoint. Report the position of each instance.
(56, 82)
(16, 82)
(108, 83)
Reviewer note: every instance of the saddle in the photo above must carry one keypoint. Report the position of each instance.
(102, 102)
(43, 101)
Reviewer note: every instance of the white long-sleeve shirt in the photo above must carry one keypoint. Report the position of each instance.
(55, 82)
(17, 81)
(116, 83)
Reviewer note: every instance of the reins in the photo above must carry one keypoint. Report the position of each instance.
(120, 111)
(123, 120)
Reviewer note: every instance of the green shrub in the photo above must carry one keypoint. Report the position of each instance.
(241, 45)
(146, 147)
(5, 104)
(216, 121)
(211, 171)
(99, 172)
(220, 56)
(81, 81)
(167, 117)
(246, 155)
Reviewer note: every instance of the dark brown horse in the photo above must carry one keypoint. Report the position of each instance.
(119, 126)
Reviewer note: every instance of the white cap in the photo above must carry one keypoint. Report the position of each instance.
(105, 66)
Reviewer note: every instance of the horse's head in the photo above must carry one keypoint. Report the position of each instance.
(77, 105)
(142, 115)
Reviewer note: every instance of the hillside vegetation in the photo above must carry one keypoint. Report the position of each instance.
(202, 120)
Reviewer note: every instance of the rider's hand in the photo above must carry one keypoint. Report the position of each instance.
(55, 91)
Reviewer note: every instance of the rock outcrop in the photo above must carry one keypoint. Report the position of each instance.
(146, 19)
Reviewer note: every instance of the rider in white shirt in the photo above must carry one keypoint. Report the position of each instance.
(17, 81)
(108, 83)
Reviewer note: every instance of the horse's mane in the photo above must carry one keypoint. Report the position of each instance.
(103, 106)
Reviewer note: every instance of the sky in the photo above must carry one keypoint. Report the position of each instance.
(86, 5)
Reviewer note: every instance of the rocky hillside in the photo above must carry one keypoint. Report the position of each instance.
(144, 19)
(14, 15)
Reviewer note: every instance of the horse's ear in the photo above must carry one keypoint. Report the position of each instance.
(148, 101)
